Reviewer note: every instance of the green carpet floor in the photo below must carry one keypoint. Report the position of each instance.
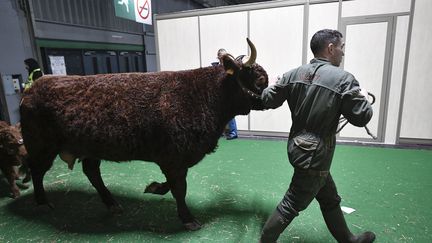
(231, 192)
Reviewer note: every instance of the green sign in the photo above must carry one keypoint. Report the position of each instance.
(137, 10)
(125, 9)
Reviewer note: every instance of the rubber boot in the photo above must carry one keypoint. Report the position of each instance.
(337, 226)
(274, 226)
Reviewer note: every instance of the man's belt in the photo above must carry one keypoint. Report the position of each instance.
(314, 172)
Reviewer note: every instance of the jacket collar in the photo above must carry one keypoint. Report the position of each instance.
(320, 60)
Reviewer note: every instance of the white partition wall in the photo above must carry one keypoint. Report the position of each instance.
(374, 7)
(416, 120)
(177, 42)
(365, 58)
(387, 49)
(396, 80)
(321, 16)
(228, 31)
(279, 50)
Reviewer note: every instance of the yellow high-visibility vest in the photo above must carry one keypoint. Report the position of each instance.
(30, 80)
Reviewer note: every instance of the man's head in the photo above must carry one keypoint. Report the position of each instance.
(328, 44)
(31, 64)
(220, 53)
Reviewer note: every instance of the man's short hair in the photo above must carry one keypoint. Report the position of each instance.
(322, 38)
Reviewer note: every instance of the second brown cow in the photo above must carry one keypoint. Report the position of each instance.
(12, 154)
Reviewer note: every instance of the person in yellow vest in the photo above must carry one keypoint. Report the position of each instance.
(34, 71)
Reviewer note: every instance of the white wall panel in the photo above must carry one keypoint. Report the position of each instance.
(416, 115)
(401, 36)
(228, 31)
(364, 58)
(192, 40)
(278, 35)
(321, 16)
(178, 44)
(242, 122)
(373, 7)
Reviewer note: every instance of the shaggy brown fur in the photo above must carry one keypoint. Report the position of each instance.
(12, 154)
(171, 118)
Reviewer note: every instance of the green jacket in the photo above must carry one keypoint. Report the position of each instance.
(317, 94)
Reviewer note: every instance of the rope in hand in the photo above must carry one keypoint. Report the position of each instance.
(343, 121)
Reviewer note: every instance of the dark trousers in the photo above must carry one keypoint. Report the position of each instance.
(304, 187)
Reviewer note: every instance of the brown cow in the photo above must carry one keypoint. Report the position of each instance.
(171, 118)
(12, 154)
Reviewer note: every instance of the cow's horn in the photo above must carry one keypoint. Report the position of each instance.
(253, 54)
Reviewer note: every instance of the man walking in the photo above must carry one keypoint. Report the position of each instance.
(317, 93)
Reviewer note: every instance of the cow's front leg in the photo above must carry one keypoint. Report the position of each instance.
(11, 176)
(92, 171)
(14, 188)
(176, 178)
(18, 176)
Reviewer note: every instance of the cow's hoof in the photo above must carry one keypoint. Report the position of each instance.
(26, 179)
(23, 186)
(192, 226)
(116, 210)
(157, 188)
(15, 194)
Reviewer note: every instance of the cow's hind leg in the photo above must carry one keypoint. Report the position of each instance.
(39, 165)
(176, 178)
(92, 171)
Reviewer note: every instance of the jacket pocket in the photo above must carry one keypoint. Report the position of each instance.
(301, 149)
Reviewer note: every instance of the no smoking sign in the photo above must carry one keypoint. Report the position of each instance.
(138, 10)
(143, 11)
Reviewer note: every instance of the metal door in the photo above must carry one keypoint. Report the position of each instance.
(368, 54)
(131, 62)
(10, 97)
(96, 62)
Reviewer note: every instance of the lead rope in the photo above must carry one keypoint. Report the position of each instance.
(248, 91)
(343, 121)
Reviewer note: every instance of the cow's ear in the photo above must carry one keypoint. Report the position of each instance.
(230, 65)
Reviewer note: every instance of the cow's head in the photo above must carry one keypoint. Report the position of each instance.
(249, 76)
(12, 146)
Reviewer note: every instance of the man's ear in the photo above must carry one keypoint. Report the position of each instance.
(230, 65)
(330, 48)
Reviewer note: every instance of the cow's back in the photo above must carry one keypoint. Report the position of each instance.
(113, 116)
